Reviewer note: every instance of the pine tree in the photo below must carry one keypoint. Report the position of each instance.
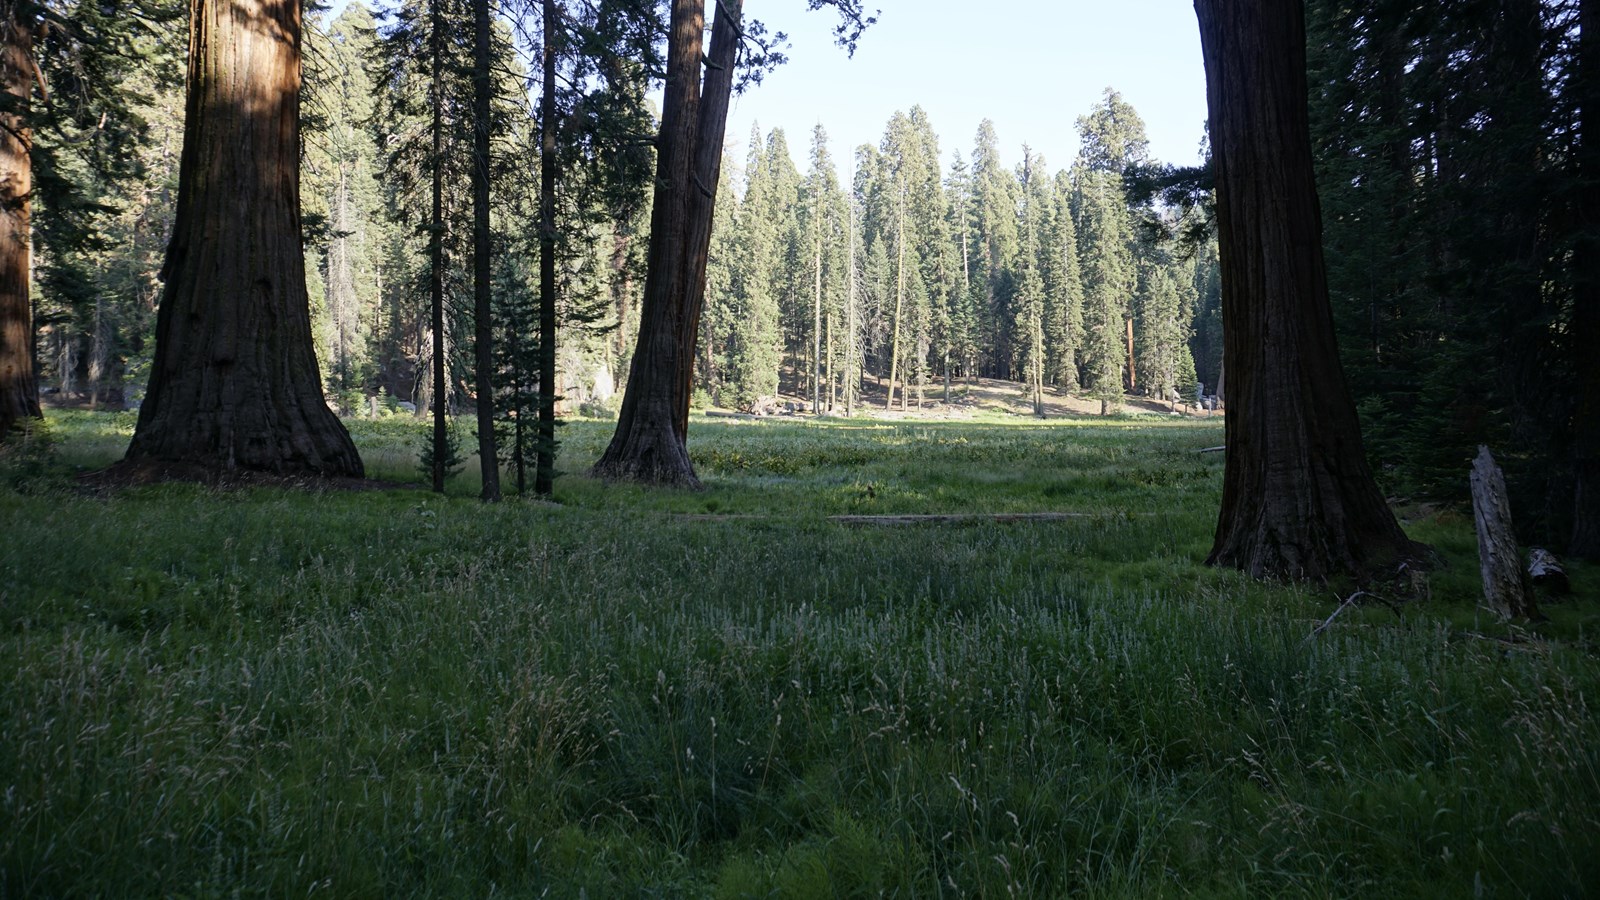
(1028, 304)
(995, 237)
(1108, 282)
(962, 338)
(73, 80)
(1113, 136)
(821, 218)
(1063, 288)
(1163, 338)
(764, 219)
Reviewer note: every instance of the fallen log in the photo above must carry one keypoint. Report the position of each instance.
(1213, 449)
(920, 519)
(1546, 572)
(1507, 591)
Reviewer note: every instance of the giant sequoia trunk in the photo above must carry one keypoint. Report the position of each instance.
(235, 384)
(1586, 294)
(19, 389)
(1298, 500)
(650, 443)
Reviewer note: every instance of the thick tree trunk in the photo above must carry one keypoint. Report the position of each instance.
(544, 470)
(235, 383)
(715, 96)
(652, 430)
(1298, 498)
(19, 387)
(1585, 543)
(646, 446)
(483, 324)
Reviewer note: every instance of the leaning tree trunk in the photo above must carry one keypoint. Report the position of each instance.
(19, 388)
(1298, 499)
(715, 95)
(652, 429)
(235, 383)
(1585, 335)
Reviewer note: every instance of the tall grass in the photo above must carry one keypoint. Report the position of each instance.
(268, 693)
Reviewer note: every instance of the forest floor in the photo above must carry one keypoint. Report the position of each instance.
(265, 691)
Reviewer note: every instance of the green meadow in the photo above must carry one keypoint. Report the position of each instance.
(729, 693)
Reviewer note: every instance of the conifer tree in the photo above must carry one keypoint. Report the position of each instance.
(1063, 288)
(764, 218)
(962, 340)
(72, 128)
(994, 228)
(1164, 333)
(1028, 304)
(1108, 282)
(821, 217)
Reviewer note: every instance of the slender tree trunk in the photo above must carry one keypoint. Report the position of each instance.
(1133, 374)
(1585, 338)
(816, 316)
(966, 294)
(19, 387)
(441, 435)
(549, 169)
(234, 384)
(899, 302)
(623, 292)
(482, 307)
(852, 345)
(1298, 498)
(519, 432)
(646, 446)
(1036, 370)
(831, 377)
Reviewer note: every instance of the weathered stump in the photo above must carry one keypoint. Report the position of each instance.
(1506, 589)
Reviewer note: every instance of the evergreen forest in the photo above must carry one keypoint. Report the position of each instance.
(438, 457)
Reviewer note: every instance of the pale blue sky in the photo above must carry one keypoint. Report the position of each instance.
(1033, 66)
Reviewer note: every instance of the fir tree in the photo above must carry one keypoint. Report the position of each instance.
(1108, 280)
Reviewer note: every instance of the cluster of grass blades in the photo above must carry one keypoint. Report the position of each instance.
(728, 693)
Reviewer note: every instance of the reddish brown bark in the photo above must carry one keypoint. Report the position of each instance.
(234, 383)
(715, 95)
(1298, 500)
(650, 443)
(19, 388)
